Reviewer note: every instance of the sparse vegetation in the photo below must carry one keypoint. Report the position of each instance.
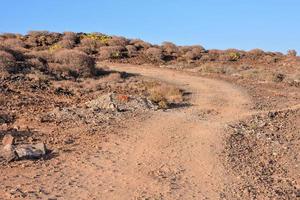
(164, 95)
(111, 52)
(292, 53)
(76, 63)
(7, 60)
(44, 45)
(52, 90)
(154, 54)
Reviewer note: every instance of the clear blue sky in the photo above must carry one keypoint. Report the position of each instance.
(244, 24)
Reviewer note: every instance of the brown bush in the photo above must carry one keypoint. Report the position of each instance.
(270, 59)
(6, 59)
(255, 53)
(90, 46)
(70, 36)
(154, 54)
(191, 56)
(131, 50)
(44, 55)
(212, 55)
(9, 63)
(140, 44)
(194, 52)
(69, 40)
(66, 44)
(42, 38)
(13, 43)
(183, 49)
(230, 55)
(169, 48)
(292, 53)
(16, 52)
(75, 62)
(118, 41)
(38, 63)
(112, 52)
(8, 35)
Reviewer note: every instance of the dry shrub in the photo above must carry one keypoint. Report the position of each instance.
(164, 95)
(13, 43)
(7, 60)
(169, 48)
(9, 63)
(112, 52)
(183, 49)
(66, 44)
(90, 45)
(140, 44)
(118, 41)
(194, 52)
(70, 36)
(131, 50)
(38, 63)
(42, 38)
(255, 53)
(278, 77)
(17, 53)
(75, 62)
(69, 40)
(270, 58)
(230, 55)
(292, 53)
(217, 68)
(9, 35)
(154, 54)
(44, 55)
(191, 56)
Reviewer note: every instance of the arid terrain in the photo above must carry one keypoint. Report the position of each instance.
(125, 119)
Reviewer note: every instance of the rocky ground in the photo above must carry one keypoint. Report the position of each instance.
(263, 151)
(185, 123)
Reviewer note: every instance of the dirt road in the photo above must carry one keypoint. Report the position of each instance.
(173, 154)
(170, 155)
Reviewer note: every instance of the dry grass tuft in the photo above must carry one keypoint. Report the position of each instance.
(164, 95)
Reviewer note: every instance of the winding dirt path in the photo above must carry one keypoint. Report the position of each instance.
(174, 154)
(170, 155)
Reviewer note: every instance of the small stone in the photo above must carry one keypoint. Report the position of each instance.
(31, 151)
(8, 140)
